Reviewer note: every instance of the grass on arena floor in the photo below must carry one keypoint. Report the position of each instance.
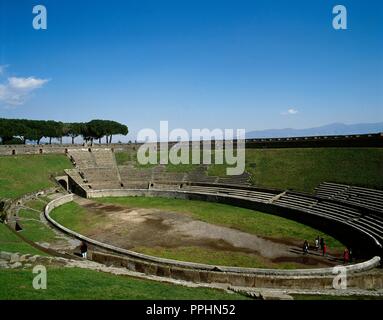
(254, 222)
(75, 217)
(79, 219)
(215, 257)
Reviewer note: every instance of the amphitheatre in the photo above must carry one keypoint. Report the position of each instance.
(191, 225)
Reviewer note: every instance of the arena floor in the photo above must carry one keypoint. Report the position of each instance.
(175, 235)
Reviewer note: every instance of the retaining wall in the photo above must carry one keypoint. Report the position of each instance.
(19, 149)
(356, 140)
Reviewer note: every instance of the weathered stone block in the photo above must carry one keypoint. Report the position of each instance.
(24, 257)
(16, 265)
(15, 258)
(5, 255)
(33, 258)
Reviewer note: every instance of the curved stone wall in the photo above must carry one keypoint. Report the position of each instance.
(196, 271)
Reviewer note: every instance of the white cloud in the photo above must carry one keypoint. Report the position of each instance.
(16, 90)
(290, 111)
(30, 83)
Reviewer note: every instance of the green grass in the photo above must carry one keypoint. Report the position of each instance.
(300, 169)
(76, 217)
(214, 257)
(29, 214)
(12, 243)
(303, 169)
(33, 228)
(81, 284)
(26, 173)
(36, 204)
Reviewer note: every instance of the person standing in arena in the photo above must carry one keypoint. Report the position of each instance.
(84, 249)
(305, 247)
(321, 242)
(324, 248)
(346, 256)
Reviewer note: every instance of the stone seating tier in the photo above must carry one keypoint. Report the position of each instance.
(363, 197)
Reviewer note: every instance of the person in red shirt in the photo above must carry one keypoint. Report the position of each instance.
(324, 249)
(346, 256)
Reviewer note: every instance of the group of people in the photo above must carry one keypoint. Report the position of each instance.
(320, 244)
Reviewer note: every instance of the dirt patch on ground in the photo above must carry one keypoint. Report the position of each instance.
(137, 227)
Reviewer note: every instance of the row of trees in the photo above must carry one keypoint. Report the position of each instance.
(21, 130)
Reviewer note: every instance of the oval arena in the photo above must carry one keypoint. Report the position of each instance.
(351, 215)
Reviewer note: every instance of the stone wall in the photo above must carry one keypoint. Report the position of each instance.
(19, 149)
(269, 278)
(360, 140)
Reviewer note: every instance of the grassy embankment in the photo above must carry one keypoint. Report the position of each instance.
(27, 173)
(22, 174)
(301, 169)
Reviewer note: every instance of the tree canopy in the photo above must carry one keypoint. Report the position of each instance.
(23, 130)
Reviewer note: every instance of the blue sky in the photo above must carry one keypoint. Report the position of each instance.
(197, 64)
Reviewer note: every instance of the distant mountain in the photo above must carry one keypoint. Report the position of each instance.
(330, 129)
